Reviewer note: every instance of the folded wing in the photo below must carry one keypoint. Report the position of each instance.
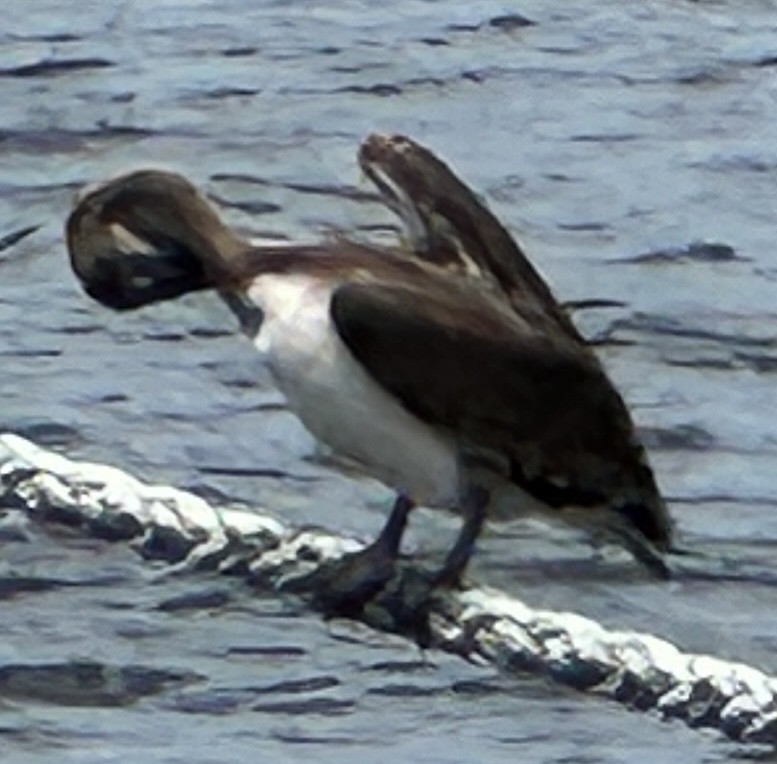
(461, 361)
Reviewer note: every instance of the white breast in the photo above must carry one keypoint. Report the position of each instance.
(338, 401)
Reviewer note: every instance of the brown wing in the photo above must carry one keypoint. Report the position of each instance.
(456, 220)
(462, 361)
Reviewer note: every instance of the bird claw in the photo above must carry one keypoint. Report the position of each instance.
(368, 585)
(344, 586)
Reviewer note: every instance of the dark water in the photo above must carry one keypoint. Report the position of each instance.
(614, 139)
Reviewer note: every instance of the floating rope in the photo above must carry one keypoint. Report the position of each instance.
(481, 624)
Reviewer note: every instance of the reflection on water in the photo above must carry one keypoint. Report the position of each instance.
(631, 149)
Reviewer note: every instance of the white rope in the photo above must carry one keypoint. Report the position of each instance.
(483, 624)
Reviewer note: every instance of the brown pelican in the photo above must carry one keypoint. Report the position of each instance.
(435, 384)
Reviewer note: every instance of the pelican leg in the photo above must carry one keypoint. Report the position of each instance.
(473, 507)
(343, 587)
(408, 597)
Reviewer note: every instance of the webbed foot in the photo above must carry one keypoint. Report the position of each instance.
(369, 584)
(344, 586)
(406, 601)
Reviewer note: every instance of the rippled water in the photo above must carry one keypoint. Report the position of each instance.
(613, 138)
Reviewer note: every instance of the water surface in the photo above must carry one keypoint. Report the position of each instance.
(611, 138)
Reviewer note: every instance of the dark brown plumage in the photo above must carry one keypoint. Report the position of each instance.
(451, 226)
(505, 380)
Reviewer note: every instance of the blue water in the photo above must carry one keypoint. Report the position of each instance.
(604, 132)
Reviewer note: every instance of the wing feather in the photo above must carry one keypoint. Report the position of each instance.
(459, 359)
